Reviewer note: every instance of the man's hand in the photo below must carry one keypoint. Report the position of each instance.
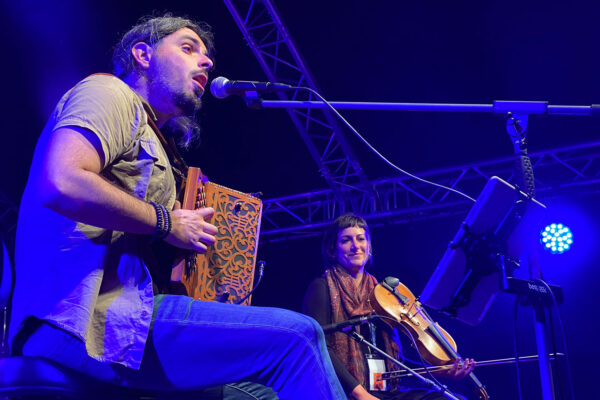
(459, 369)
(190, 229)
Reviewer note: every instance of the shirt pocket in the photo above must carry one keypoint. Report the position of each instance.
(153, 150)
(158, 183)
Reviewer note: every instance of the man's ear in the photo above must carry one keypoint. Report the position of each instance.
(142, 53)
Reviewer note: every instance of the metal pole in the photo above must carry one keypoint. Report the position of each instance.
(498, 107)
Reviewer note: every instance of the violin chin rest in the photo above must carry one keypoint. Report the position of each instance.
(391, 282)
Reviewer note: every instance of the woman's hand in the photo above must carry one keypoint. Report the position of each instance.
(458, 371)
(360, 393)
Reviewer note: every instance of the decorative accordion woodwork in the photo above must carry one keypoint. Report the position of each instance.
(226, 272)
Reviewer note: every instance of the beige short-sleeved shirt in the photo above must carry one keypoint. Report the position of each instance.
(92, 282)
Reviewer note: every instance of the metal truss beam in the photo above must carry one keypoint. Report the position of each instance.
(400, 199)
(270, 41)
(558, 172)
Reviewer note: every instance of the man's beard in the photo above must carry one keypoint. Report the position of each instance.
(188, 104)
(185, 128)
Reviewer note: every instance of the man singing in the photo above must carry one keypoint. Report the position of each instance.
(99, 199)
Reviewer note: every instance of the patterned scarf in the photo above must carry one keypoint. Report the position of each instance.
(348, 301)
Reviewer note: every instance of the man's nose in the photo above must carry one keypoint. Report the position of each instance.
(205, 62)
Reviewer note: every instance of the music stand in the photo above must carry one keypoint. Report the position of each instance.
(484, 252)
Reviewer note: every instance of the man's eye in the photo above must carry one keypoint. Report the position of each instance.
(186, 48)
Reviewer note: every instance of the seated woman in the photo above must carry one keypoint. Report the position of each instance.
(341, 294)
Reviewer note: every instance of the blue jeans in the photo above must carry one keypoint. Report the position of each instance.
(196, 344)
(248, 391)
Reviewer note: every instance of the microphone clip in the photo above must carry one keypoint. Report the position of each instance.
(254, 102)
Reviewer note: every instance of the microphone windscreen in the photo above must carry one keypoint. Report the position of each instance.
(217, 87)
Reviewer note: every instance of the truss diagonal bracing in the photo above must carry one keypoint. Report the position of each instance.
(271, 43)
(558, 172)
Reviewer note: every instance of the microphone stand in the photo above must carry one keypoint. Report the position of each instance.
(361, 340)
(497, 107)
(517, 114)
(516, 126)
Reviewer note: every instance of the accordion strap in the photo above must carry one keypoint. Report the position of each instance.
(180, 168)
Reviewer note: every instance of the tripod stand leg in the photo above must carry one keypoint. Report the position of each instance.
(543, 360)
(539, 325)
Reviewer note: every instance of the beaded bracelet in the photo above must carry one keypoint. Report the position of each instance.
(163, 222)
(168, 224)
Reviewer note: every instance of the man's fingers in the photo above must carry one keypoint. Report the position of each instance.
(177, 205)
(206, 212)
(210, 229)
(201, 243)
(192, 229)
(206, 238)
(199, 247)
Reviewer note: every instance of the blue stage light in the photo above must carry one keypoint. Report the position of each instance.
(557, 238)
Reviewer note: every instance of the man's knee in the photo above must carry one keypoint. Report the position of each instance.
(307, 327)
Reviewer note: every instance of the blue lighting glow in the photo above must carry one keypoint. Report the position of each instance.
(557, 238)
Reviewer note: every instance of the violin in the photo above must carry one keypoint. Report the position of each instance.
(394, 300)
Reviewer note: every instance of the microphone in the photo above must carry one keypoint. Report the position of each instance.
(346, 325)
(221, 87)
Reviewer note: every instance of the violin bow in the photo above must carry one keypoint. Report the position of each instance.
(485, 363)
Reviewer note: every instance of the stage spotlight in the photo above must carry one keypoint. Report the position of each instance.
(557, 238)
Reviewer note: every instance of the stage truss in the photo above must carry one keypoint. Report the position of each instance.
(393, 200)
(566, 171)
(270, 41)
